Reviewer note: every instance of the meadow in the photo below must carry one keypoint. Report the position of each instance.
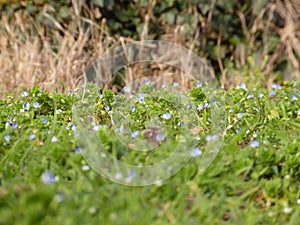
(254, 179)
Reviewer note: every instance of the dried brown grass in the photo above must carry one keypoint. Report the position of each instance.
(31, 54)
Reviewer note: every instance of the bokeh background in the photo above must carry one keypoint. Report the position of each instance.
(51, 43)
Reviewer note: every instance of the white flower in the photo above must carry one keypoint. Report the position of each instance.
(54, 139)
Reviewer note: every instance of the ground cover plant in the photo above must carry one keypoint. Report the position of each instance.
(255, 179)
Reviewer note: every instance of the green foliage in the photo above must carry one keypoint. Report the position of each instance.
(248, 183)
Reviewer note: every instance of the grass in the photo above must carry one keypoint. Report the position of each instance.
(255, 179)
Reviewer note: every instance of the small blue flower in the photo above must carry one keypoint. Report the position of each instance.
(251, 95)
(7, 124)
(175, 84)
(298, 113)
(166, 115)
(26, 106)
(132, 108)
(187, 106)
(14, 125)
(231, 110)
(254, 144)
(77, 150)
(206, 105)
(272, 93)
(240, 115)
(134, 134)
(24, 94)
(211, 137)
(54, 139)
(160, 137)
(31, 137)
(44, 120)
(140, 98)
(238, 130)
(276, 86)
(242, 86)
(130, 176)
(196, 152)
(9, 118)
(48, 178)
(294, 98)
(71, 93)
(199, 84)
(107, 108)
(200, 107)
(36, 105)
(147, 81)
(7, 138)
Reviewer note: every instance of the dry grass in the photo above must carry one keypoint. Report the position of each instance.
(51, 58)
(56, 57)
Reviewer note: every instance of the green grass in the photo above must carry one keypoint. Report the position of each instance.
(248, 183)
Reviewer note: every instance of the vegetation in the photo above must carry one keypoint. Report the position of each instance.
(253, 48)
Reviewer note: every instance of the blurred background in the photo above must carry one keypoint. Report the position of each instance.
(51, 43)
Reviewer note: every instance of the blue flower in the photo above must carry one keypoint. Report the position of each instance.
(211, 137)
(160, 137)
(272, 93)
(240, 115)
(9, 118)
(231, 110)
(276, 86)
(147, 81)
(238, 130)
(196, 152)
(187, 106)
(36, 105)
(242, 86)
(14, 125)
(175, 84)
(54, 139)
(31, 137)
(44, 120)
(294, 98)
(199, 84)
(47, 177)
(132, 108)
(254, 144)
(166, 115)
(251, 95)
(107, 108)
(298, 113)
(130, 176)
(24, 94)
(140, 98)
(26, 106)
(206, 105)
(7, 138)
(71, 93)
(200, 107)
(77, 150)
(134, 134)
